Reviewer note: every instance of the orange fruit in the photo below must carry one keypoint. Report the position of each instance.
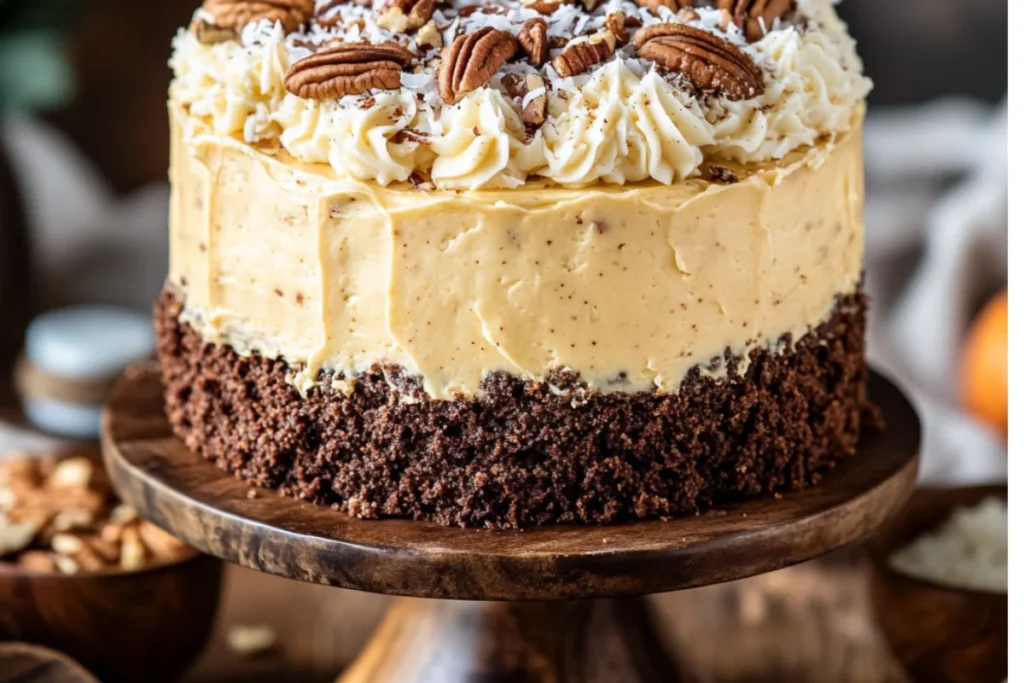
(983, 371)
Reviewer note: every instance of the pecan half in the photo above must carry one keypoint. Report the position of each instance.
(472, 60)
(235, 14)
(751, 15)
(533, 37)
(672, 5)
(405, 15)
(579, 57)
(545, 6)
(710, 63)
(348, 69)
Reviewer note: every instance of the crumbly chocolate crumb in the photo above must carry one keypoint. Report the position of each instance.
(522, 453)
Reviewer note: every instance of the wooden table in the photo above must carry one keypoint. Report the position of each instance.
(809, 623)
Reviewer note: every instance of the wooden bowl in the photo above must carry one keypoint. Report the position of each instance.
(145, 625)
(939, 634)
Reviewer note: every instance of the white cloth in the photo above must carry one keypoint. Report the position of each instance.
(936, 220)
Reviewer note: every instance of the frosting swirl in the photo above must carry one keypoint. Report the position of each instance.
(624, 121)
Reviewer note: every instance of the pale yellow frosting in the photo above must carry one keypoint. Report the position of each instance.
(629, 285)
(622, 122)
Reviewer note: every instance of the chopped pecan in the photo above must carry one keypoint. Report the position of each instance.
(534, 111)
(615, 23)
(672, 5)
(429, 35)
(468, 10)
(472, 60)
(348, 69)
(579, 57)
(687, 15)
(533, 37)
(710, 63)
(210, 34)
(545, 6)
(591, 5)
(405, 15)
(235, 14)
(755, 17)
(514, 84)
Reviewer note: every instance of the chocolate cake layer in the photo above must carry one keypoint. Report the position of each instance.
(522, 452)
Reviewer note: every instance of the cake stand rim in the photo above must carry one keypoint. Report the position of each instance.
(550, 562)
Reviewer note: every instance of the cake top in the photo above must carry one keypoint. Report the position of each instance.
(458, 95)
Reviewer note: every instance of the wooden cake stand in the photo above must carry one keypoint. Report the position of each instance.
(551, 626)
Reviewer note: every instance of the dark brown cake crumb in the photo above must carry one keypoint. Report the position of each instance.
(521, 455)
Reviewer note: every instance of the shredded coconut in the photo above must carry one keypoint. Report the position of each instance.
(968, 551)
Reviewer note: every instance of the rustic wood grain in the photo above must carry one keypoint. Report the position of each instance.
(811, 623)
(443, 641)
(220, 515)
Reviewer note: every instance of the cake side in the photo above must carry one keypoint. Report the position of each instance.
(630, 287)
(523, 452)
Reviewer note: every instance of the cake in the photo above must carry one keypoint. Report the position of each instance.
(516, 263)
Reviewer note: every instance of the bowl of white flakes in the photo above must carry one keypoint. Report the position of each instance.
(939, 584)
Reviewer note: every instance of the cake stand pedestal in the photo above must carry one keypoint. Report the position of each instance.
(539, 613)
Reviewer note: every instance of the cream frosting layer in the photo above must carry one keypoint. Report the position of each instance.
(630, 286)
(622, 122)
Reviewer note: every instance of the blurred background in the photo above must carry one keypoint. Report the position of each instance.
(83, 195)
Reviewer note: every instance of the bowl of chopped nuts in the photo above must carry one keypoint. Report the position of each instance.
(83, 574)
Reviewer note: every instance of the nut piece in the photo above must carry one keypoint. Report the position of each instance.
(429, 35)
(615, 23)
(71, 473)
(15, 537)
(405, 15)
(66, 565)
(65, 544)
(160, 543)
(133, 552)
(249, 641)
(751, 15)
(687, 15)
(348, 69)
(235, 14)
(672, 5)
(711, 64)
(533, 38)
(210, 34)
(579, 57)
(545, 6)
(472, 60)
(535, 112)
(36, 561)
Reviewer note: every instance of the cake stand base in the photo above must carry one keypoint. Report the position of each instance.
(580, 641)
(509, 635)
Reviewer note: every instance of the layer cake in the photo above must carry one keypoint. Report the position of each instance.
(520, 262)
